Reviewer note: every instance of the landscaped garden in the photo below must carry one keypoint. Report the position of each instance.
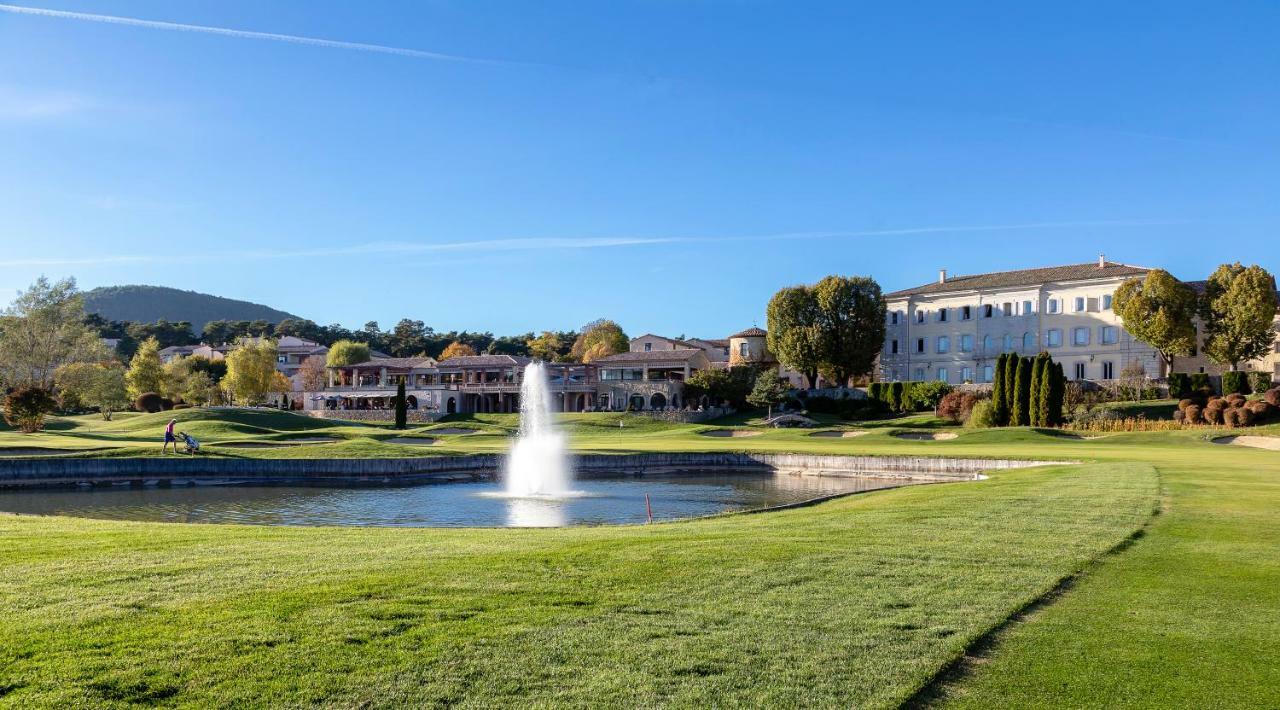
(939, 593)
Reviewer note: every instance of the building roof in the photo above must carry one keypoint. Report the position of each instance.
(751, 332)
(397, 363)
(485, 361)
(1025, 277)
(681, 354)
(717, 342)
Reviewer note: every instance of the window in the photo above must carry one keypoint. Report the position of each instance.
(988, 311)
(1080, 336)
(1026, 308)
(1079, 370)
(944, 344)
(942, 315)
(648, 347)
(743, 350)
(919, 374)
(1106, 302)
(1053, 305)
(282, 358)
(1007, 342)
(919, 345)
(919, 316)
(988, 373)
(1028, 341)
(942, 374)
(987, 343)
(1053, 338)
(893, 318)
(966, 374)
(966, 312)
(1080, 304)
(1108, 371)
(1007, 308)
(1108, 334)
(893, 347)
(966, 343)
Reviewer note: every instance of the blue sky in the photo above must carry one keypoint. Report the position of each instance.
(666, 164)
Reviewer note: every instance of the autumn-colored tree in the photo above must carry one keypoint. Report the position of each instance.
(347, 352)
(551, 346)
(457, 349)
(312, 374)
(251, 371)
(598, 339)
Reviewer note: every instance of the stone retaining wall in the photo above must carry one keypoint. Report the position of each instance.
(181, 470)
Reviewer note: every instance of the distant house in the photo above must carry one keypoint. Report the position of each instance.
(291, 352)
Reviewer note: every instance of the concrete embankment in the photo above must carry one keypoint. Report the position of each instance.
(442, 469)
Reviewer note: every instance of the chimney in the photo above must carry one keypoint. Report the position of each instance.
(1102, 261)
(942, 276)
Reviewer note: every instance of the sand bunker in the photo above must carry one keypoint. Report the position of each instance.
(1257, 442)
(34, 451)
(274, 444)
(839, 434)
(453, 430)
(729, 433)
(411, 440)
(311, 440)
(926, 435)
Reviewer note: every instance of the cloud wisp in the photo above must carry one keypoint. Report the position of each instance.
(248, 34)
(544, 244)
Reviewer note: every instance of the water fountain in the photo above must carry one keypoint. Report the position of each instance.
(537, 466)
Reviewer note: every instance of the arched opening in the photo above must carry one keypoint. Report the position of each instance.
(637, 401)
(603, 402)
(658, 401)
(411, 402)
(451, 406)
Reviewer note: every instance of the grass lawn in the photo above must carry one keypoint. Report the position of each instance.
(862, 601)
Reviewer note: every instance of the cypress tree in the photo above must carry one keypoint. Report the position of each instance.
(402, 408)
(895, 397)
(1021, 413)
(1033, 392)
(1010, 386)
(999, 413)
(1059, 395)
(1044, 395)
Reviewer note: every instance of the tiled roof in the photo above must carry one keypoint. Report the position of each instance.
(718, 342)
(485, 360)
(652, 356)
(402, 363)
(750, 333)
(1025, 277)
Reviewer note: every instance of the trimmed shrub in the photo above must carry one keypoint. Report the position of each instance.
(983, 415)
(1179, 385)
(166, 404)
(148, 402)
(1235, 400)
(1259, 381)
(1192, 414)
(1180, 416)
(873, 390)
(1212, 413)
(1272, 396)
(1235, 383)
(956, 406)
(1183, 404)
(1237, 417)
(402, 407)
(895, 398)
(1200, 382)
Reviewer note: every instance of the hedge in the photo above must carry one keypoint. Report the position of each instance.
(1235, 383)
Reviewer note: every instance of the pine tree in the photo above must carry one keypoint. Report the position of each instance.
(999, 414)
(1010, 386)
(1021, 415)
(402, 407)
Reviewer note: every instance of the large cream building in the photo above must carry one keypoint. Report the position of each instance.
(955, 328)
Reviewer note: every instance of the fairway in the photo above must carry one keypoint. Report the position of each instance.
(1169, 542)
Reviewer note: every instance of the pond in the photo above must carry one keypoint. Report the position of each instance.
(595, 502)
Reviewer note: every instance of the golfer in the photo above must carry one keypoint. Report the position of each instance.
(169, 438)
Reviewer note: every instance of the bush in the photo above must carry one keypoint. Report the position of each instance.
(956, 406)
(1183, 404)
(1259, 381)
(874, 390)
(896, 400)
(982, 416)
(1237, 417)
(1235, 400)
(1180, 416)
(1235, 383)
(1200, 382)
(166, 404)
(925, 396)
(26, 407)
(1272, 396)
(1179, 385)
(1193, 414)
(148, 402)
(1212, 413)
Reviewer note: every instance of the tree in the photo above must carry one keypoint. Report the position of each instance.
(1021, 412)
(408, 338)
(767, 391)
(457, 349)
(999, 412)
(251, 370)
(600, 338)
(97, 385)
(146, 372)
(551, 346)
(312, 374)
(43, 330)
(1010, 386)
(794, 326)
(299, 328)
(402, 407)
(25, 408)
(1238, 311)
(1057, 395)
(852, 314)
(1043, 393)
(347, 352)
(198, 388)
(174, 380)
(1159, 310)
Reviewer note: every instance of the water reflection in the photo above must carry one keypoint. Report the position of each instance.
(597, 502)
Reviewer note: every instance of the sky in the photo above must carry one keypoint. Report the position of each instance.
(517, 166)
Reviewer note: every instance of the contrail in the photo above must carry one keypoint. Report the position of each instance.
(246, 34)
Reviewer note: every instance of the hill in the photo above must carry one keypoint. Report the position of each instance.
(147, 304)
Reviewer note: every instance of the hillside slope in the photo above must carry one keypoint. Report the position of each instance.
(147, 304)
